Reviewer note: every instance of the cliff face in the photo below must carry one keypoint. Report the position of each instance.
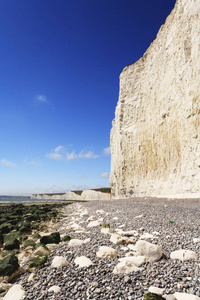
(155, 138)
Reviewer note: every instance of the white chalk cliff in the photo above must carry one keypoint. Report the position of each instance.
(84, 195)
(155, 138)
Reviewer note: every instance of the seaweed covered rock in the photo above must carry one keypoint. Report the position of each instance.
(53, 238)
(9, 266)
(12, 244)
(152, 296)
(28, 243)
(1, 239)
(36, 236)
(66, 238)
(6, 227)
(37, 262)
(41, 249)
(24, 227)
(7, 252)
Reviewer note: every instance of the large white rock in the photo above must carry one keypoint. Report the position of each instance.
(129, 264)
(100, 211)
(58, 262)
(84, 213)
(184, 255)
(156, 290)
(146, 236)
(183, 296)
(169, 297)
(150, 251)
(135, 260)
(16, 292)
(77, 227)
(118, 239)
(83, 261)
(91, 218)
(106, 252)
(75, 242)
(196, 240)
(94, 224)
(155, 141)
(54, 289)
(106, 230)
(130, 233)
(31, 277)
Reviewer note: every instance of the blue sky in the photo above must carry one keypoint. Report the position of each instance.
(59, 82)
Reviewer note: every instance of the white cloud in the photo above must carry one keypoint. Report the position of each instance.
(8, 163)
(56, 153)
(104, 175)
(71, 156)
(59, 153)
(41, 98)
(88, 155)
(106, 151)
(35, 162)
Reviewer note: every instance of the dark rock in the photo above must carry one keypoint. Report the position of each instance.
(28, 243)
(36, 236)
(53, 238)
(152, 296)
(11, 244)
(8, 252)
(6, 227)
(24, 227)
(9, 265)
(1, 239)
(38, 262)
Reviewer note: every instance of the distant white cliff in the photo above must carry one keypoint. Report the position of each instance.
(79, 195)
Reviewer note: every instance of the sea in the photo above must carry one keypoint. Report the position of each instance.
(21, 199)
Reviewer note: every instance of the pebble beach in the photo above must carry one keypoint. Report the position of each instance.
(169, 224)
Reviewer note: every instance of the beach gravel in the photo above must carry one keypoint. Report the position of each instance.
(173, 224)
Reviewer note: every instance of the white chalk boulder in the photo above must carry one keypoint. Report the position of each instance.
(135, 260)
(58, 262)
(83, 262)
(184, 255)
(15, 292)
(128, 265)
(146, 236)
(75, 242)
(106, 252)
(156, 290)
(54, 289)
(184, 296)
(151, 252)
(94, 224)
(106, 230)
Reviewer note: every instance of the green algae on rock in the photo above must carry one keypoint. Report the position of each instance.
(152, 296)
(9, 265)
(66, 238)
(11, 244)
(53, 238)
(37, 262)
(28, 243)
